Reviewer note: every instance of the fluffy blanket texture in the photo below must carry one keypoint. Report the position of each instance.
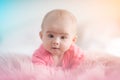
(94, 67)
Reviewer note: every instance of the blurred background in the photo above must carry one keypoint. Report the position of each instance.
(98, 24)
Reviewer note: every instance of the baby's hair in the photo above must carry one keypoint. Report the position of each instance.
(59, 13)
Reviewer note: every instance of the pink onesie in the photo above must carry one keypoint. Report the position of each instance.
(70, 60)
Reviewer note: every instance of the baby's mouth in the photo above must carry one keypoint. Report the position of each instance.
(54, 48)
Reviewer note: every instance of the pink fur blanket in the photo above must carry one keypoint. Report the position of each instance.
(94, 67)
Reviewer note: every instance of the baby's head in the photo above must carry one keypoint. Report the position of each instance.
(58, 31)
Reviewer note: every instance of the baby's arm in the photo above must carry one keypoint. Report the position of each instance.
(41, 57)
(36, 59)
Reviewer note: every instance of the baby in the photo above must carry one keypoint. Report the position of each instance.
(58, 34)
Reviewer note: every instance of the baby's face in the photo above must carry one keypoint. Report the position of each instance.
(57, 36)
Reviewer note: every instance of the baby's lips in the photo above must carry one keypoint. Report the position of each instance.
(55, 48)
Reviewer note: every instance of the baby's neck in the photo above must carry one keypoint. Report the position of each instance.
(57, 60)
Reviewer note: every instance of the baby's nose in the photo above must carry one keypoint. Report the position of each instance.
(56, 42)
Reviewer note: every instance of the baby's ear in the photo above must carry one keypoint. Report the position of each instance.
(75, 38)
(40, 34)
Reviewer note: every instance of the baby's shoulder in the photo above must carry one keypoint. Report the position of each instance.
(41, 51)
(77, 50)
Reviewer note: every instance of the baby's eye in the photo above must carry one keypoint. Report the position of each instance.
(50, 35)
(63, 37)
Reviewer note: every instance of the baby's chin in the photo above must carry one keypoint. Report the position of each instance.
(57, 53)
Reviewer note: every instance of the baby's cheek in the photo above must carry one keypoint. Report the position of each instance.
(66, 46)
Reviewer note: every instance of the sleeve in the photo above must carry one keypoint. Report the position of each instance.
(77, 58)
(73, 57)
(38, 58)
